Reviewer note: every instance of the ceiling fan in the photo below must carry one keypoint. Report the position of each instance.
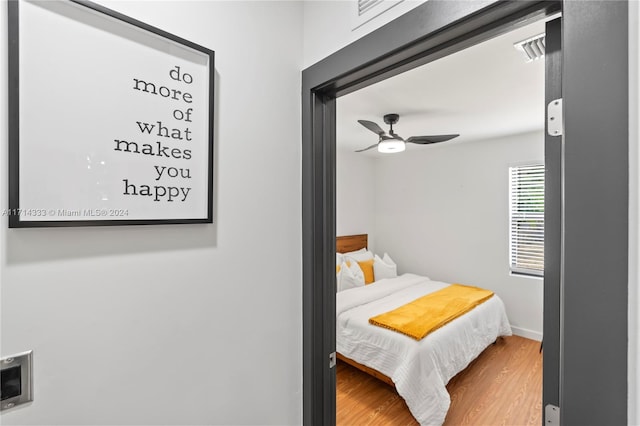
(395, 143)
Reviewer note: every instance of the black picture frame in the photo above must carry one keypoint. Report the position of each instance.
(35, 174)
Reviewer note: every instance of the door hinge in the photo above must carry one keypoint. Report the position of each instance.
(551, 415)
(555, 121)
(332, 359)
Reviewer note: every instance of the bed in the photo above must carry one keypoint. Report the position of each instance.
(419, 369)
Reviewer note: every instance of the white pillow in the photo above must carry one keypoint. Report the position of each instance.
(359, 255)
(349, 276)
(384, 268)
(339, 261)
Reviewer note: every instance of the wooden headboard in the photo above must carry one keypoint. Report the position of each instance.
(349, 243)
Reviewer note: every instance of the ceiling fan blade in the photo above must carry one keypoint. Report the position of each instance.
(430, 139)
(372, 126)
(369, 147)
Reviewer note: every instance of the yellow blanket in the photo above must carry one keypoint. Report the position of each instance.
(428, 313)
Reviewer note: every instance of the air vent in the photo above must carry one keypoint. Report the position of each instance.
(532, 48)
(363, 11)
(366, 5)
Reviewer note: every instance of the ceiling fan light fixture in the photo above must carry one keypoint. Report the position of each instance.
(392, 142)
(391, 146)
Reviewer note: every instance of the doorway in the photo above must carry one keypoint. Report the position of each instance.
(441, 210)
(434, 30)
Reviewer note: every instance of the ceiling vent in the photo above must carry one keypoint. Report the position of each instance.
(532, 48)
(365, 5)
(367, 10)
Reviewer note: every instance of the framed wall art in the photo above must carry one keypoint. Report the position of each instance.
(110, 119)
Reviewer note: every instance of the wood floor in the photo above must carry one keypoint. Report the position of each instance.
(503, 386)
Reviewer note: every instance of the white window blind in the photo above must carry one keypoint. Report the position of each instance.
(526, 219)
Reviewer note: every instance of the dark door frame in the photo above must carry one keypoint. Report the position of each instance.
(552, 221)
(593, 323)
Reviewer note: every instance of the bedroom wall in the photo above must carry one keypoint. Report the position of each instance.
(320, 43)
(443, 212)
(184, 324)
(355, 195)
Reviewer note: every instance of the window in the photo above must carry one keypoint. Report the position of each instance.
(526, 219)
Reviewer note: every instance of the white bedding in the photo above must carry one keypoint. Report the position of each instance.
(420, 369)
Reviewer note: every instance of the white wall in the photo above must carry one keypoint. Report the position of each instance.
(355, 195)
(443, 211)
(185, 324)
(319, 42)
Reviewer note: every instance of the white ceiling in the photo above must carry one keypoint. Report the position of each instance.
(482, 92)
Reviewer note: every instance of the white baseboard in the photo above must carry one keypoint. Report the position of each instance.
(529, 334)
